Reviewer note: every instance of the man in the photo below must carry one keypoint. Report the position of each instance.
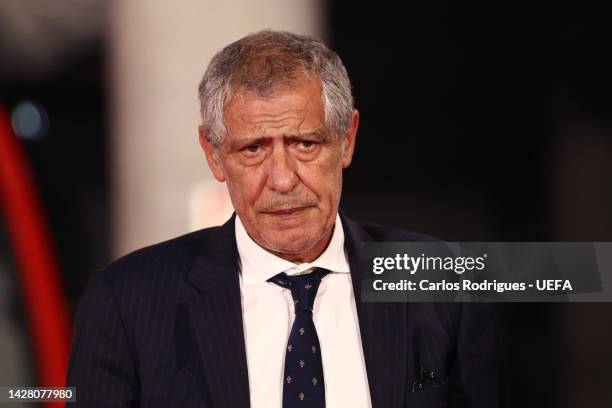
(264, 311)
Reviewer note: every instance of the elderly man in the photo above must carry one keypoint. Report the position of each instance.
(264, 311)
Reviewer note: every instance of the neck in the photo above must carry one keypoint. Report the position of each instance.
(311, 254)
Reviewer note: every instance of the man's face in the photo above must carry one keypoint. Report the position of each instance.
(283, 168)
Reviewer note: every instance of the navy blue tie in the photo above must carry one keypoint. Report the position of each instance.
(303, 384)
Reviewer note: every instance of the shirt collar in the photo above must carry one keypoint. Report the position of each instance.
(258, 265)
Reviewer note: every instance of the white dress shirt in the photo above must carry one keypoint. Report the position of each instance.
(268, 314)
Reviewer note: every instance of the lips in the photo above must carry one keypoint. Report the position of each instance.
(288, 211)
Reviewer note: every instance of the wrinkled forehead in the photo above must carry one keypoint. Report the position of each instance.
(297, 106)
(273, 87)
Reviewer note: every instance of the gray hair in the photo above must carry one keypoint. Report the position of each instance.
(266, 61)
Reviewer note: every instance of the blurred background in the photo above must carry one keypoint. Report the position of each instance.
(479, 122)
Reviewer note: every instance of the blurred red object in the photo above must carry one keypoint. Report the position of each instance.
(43, 292)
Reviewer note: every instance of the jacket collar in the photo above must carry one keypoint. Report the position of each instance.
(217, 259)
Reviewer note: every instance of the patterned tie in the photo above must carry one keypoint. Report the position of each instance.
(303, 384)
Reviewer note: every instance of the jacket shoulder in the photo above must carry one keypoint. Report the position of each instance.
(167, 259)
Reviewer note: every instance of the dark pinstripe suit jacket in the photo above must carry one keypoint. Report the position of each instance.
(162, 327)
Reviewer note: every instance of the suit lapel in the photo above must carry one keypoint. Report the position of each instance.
(216, 312)
(383, 331)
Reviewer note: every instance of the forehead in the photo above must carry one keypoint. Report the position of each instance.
(297, 107)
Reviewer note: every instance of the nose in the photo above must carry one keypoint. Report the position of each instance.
(282, 176)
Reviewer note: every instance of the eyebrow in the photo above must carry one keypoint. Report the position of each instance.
(247, 141)
(318, 135)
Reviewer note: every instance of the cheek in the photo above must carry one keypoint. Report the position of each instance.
(244, 186)
(323, 180)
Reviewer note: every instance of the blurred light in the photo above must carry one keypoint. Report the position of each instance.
(209, 204)
(30, 121)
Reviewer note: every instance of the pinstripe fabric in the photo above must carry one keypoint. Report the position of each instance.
(162, 327)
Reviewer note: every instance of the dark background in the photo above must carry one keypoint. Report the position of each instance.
(482, 122)
(492, 122)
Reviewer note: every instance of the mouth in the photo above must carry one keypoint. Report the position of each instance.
(287, 211)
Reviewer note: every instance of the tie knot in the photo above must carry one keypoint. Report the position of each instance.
(303, 287)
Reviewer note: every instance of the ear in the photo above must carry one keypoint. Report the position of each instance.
(211, 155)
(349, 140)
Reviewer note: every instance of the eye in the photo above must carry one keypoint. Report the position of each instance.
(306, 145)
(251, 150)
